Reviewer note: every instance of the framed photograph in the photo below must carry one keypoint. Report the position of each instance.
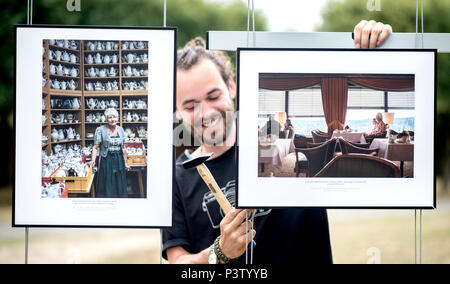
(102, 154)
(336, 128)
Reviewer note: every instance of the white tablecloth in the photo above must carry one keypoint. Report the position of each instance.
(275, 152)
(394, 151)
(355, 137)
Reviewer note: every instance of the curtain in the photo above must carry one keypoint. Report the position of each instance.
(388, 83)
(285, 82)
(334, 99)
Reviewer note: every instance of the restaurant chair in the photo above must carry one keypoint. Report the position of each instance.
(347, 147)
(312, 145)
(359, 165)
(317, 157)
(360, 145)
(291, 133)
(320, 132)
(317, 138)
(300, 141)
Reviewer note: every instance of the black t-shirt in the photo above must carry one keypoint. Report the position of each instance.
(282, 235)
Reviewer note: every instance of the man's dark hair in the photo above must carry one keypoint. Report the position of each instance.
(195, 51)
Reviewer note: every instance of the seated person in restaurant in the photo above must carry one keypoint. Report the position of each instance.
(272, 127)
(379, 129)
(288, 128)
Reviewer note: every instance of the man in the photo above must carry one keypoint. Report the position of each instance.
(201, 233)
(272, 127)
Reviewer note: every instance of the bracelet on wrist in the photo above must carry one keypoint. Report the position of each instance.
(220, 253)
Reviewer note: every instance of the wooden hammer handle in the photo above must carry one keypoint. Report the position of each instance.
(214, 187)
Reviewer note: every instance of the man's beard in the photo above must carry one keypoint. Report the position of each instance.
(220, 134)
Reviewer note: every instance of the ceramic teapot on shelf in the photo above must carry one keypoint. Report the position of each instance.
(136, 117)
(73, 45)
(66, 56)
(57, 55)
(100, 45)
(106, 59)
(108, 45)
(99, 86)
(112, 72)
(73, 58)
(130, 57)
(102, 73)
(113, 103)
(89, 59)
(91, 72)
(114, 58)
(63, 85)
(55, 84)
(52, 69)
(76, 104)
(129, 118)
(90, 46)
(74, 72)
(60, 70)
(91, 103)
(141, 104)
(98, 59)
(89, 86)
(73, 85)
(70, 133)
(61, 134)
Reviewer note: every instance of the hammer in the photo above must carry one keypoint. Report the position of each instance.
(207, 177)
(209, 180)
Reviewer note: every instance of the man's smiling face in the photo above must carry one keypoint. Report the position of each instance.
(205, 101)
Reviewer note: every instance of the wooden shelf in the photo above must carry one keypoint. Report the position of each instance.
(64, 48)
(101, 64)
(101, 51)
(63, 62)
(99, 109)
(135, 93)
(101, 93)
(134, 77)
(66, 109)
(102, 78)
(83, 126)
(66, 93)
(135, 63)
(65, 124)
(66, 141)
(130, 109)
(64, 76)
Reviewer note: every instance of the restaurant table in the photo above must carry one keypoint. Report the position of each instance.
(394, 151)
(355, 137)
(274, 152)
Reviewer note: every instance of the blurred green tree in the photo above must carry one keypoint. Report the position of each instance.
(193, 18)
(341, 16)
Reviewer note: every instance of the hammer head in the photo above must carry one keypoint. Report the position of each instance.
(196, 161)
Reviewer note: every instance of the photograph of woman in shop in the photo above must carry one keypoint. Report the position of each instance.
(112, 166)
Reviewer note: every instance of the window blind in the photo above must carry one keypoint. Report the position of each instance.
(401, 99)
(305, 102)
(271, 102)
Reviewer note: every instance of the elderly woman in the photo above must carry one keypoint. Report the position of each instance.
(379, 128)
(112, 167)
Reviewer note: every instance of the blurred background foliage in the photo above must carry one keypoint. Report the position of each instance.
(195, 17)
